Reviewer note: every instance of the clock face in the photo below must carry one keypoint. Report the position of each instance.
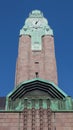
(36, 22)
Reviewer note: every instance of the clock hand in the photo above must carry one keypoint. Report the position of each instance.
(36, 22)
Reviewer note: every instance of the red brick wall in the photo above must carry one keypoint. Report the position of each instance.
(14, 121)
(29, 62)
(63, 120)
(10, 121)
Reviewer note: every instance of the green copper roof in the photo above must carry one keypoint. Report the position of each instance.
(37, 83)
(38, 93)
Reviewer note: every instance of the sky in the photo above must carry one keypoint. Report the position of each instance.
(59, 14)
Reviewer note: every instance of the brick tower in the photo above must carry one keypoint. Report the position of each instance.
(36, 103)
(36, 56)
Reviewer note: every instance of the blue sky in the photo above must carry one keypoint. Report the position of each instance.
(60, 17)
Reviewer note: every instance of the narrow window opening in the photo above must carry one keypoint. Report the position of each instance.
(36, 62)
(37, 74)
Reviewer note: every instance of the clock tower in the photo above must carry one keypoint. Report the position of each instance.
(36, 102)
(36, 56)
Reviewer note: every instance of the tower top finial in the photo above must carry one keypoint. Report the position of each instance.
(36, 13)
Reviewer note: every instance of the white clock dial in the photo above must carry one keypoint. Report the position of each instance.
(36, 22)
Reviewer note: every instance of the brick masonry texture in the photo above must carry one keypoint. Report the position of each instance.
(29, 62)
(14, 120)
